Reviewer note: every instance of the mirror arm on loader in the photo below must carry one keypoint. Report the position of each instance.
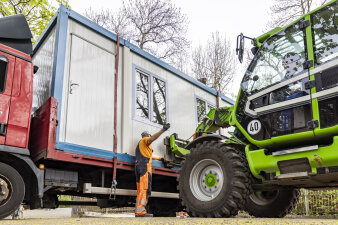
(240, 46)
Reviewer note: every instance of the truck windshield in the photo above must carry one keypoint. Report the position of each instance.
(280, 57)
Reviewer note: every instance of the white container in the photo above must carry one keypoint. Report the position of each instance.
(77, 67)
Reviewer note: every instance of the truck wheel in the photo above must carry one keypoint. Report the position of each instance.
(214, 180)
(272, 204)
(12, 190)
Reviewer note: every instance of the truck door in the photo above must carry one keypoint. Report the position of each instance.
(324, 25)
(6, 79)
(276, 100)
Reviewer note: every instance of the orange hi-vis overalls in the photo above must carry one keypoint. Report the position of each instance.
(143, 175)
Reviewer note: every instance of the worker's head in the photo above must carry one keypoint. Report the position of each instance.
(145, 134)
(291, 63)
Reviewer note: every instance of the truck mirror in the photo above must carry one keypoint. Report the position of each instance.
(254, 50)
(240, 47)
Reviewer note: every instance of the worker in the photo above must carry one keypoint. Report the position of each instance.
(144, 156)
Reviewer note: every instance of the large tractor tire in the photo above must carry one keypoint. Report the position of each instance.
(12, 190)
(271, 204)
(214, 180)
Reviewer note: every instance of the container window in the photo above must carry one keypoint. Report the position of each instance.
(142, 95)
(325, 33)
(202, 108)
(151, 98)
(159, 101)
(3, 72)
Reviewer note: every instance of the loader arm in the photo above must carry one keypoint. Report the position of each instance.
(206, 131)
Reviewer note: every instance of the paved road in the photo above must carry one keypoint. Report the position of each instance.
(144, 221)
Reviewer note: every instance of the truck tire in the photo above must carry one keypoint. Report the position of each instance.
(271, 204)
(214, 180)
(12, 190)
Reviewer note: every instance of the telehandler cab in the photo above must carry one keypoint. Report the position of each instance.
(285, 126)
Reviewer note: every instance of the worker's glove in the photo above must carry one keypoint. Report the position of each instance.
(166, 127)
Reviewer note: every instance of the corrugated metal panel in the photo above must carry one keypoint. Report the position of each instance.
(89, 120)
(44, 59)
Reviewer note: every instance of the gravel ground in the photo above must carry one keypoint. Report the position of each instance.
(62, 216)
(208, 221)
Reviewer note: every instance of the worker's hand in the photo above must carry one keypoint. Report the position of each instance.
(166, 127)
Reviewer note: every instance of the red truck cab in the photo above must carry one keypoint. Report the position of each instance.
(20, 179)
(16, 94)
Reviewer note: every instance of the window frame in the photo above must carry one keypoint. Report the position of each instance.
(6, 72)
(151, 75)
(206, 106)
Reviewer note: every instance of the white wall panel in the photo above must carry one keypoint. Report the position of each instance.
(127, 125)
(120, 110)
(91, 36)
(44, 59)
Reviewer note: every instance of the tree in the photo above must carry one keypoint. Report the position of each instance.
(116, 22)
(285, 11)
(37, 12)
(157, 26)
(215, 62)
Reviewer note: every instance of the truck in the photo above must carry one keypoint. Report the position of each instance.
(73, 108)
(284, 122)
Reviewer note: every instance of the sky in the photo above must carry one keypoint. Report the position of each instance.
(229, 17)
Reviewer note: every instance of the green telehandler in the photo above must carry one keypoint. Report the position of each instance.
(285, 126)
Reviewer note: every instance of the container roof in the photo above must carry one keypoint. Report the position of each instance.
(15, 33)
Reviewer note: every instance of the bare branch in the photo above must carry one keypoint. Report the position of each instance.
(215, 62)
(285, 11)
(157, 26)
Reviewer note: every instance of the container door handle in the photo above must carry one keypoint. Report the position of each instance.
(71, 86)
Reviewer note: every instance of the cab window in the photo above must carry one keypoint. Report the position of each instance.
(325, 34)
(279, 58)
(3, 72)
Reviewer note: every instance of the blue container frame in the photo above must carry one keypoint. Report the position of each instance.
(60, 20)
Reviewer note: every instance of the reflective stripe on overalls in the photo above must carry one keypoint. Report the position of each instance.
(143, 182)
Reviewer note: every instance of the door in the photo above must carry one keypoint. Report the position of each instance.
(275, 98)
(90, 110)
(7, 63)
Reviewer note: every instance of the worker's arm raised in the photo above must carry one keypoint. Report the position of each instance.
(156, 135)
